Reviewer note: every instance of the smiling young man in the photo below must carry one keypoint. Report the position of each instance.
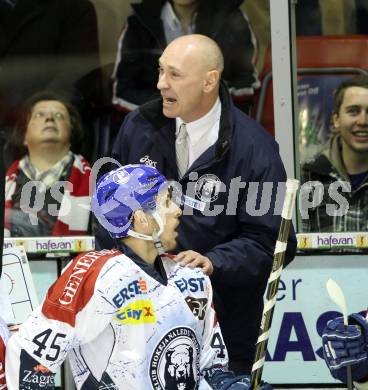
(344, 163)
(47, 131)
(129, 318)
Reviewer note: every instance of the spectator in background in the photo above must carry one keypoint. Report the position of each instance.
(195, 135)
(155, 23)
(36, 202)
(343, 164)
(46, 44)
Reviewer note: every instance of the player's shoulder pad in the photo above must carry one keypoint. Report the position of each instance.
(75, 286)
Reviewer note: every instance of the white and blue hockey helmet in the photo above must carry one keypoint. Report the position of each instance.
(124, 190)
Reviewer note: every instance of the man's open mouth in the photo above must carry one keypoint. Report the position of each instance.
(169, 100)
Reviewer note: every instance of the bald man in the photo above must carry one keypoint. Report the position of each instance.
(189, 77)
(195, 136)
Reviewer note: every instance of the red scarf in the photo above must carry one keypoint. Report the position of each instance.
(76, 195)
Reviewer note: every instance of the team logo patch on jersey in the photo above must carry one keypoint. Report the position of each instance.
(207, 188)
(191, 284)
(175, 361)
(134, 288)
(198, 306)
(138, 312)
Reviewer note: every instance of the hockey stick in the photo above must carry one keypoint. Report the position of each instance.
(337, 296)
(273, 282)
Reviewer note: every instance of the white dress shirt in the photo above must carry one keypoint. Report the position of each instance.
(172, 26)
(203, 132)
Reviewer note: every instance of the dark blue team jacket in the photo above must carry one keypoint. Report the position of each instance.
(239, 244)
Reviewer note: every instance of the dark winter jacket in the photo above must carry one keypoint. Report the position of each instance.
(240, 246)
(350, 212)
(143, 41)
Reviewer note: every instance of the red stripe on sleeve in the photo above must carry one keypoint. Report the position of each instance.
(75, 287)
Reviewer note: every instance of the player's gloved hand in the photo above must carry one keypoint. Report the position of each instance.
(346, 346)
(219, 379)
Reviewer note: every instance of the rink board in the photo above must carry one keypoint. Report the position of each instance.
(302, 310)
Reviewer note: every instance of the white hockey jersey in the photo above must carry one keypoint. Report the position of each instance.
(121, 328)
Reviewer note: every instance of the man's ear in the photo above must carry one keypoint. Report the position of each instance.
(141, 217)
(211, 81)
(140, 221)
(336, 121)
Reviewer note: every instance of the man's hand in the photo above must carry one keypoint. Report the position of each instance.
(194, 259)
(346, 346)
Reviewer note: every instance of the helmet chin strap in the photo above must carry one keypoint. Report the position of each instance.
(155, 235)
(158, 243)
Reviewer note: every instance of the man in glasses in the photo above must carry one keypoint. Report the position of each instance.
(47, 188)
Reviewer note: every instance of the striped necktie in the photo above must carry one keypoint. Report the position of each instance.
(182, 150)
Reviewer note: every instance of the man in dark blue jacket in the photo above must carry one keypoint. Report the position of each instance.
(231, 226)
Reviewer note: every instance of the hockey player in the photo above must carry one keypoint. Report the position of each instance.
(130, 317)
(347, 346)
